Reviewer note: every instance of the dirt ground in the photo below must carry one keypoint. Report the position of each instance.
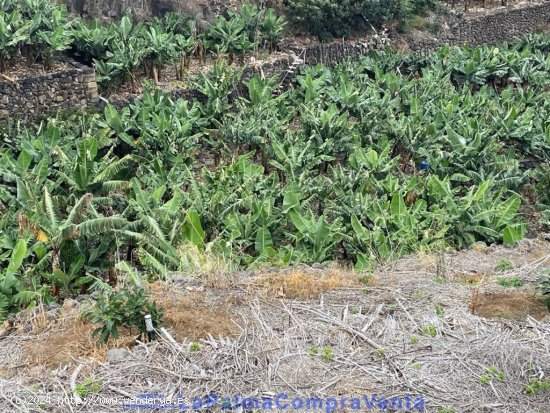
(444, 327)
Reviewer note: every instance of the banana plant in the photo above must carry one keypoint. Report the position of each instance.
(483, 213)
(13, 32)
(230, 35)
(55, 40)
(252, 17)
(13, 292)
(92, 40)
(315, 238)
(160, 50)
(186, 46)
(272, 28)
(88, 173)
(216, 86)
(56, 229)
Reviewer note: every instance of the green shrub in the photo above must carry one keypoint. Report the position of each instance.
(338, 18)
(325, 18)
(121, 308)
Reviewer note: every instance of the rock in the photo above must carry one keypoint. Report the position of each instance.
(4, 332)
(479, 246)
(52, 314)
(82, 297)
(200, 288)
(116, 355)
(69, 303)
(95, 295)
(244, 274)
(54, 305)
(187, 281)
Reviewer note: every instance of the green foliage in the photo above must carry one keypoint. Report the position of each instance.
(119, 50)
(327, 355)
(38, 29)
(504, 265)
(87, 387)
(331, 18)
(490, 374)
(430, 331)
(510, 282)
(124, 308)
(536, 386)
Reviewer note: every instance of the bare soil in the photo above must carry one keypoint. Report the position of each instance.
(511, 305)
(19, 68)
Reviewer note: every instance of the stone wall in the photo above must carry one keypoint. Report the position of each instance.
(502, 24)
(488, 26)
(34, 97)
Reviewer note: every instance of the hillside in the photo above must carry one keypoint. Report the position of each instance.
(194, 205)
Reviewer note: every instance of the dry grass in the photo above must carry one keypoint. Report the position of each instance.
(189, 316)
(62, 341)
(67, 339)
(304, 283)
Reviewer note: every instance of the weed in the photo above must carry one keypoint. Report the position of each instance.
(313, 351)
(491, 373)
(87, 387)
(381, 352)
(194, 346)
(413, 340)
(485, 379)
(327, 356)
(504, 265)
(419, 295)
(510, 282)
(439, 311)
(536, 386)
(429, 331)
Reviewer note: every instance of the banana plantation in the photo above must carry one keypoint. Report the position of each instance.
(361, 163)
(41, 31)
